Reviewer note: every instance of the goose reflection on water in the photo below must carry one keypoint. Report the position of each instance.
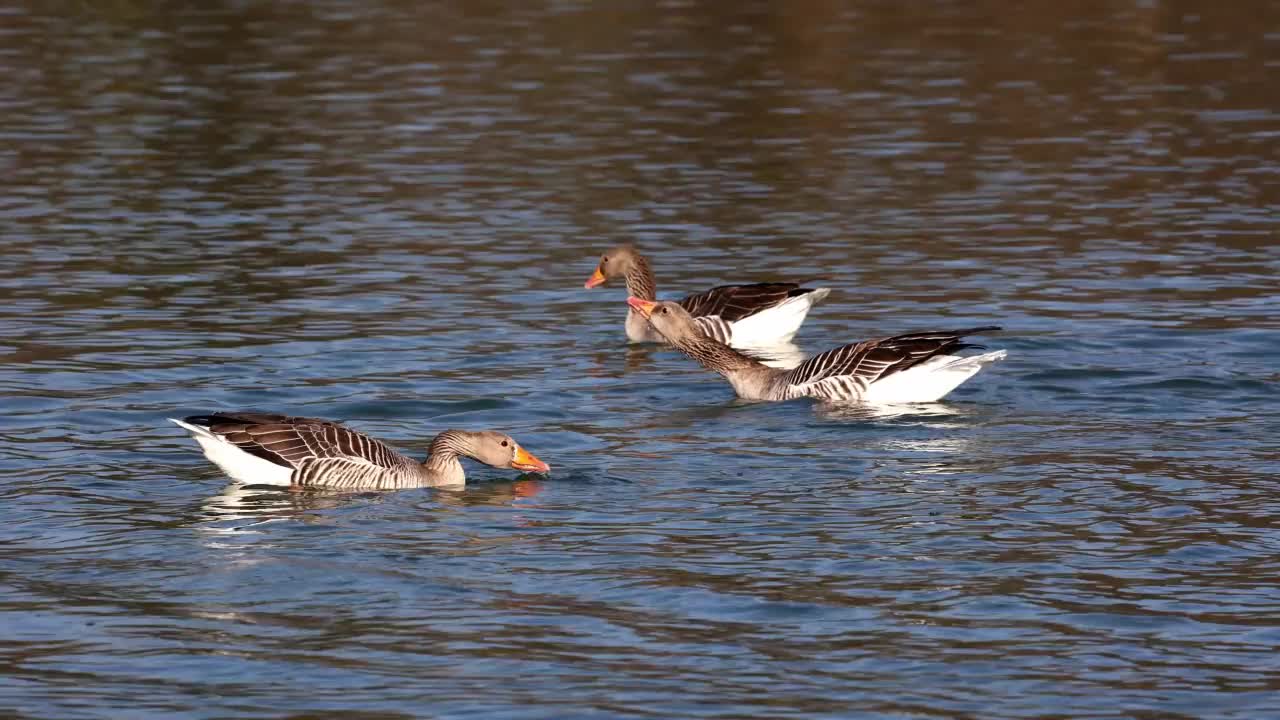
(870, 411)
(941, 452)
(782, 355)
(239, 508)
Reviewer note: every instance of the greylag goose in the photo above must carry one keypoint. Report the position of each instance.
(911, 368)
(270, 449)
(737, 315)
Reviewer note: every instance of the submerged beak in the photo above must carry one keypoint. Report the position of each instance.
(597, 278)
(644, 307)
(528, 463)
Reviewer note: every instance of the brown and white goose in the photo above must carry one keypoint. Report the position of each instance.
(911, 368)
(737, 315)
(270, 449)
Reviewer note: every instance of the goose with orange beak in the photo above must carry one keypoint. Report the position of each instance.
(910, 368)
(755, 315)
(271, 449)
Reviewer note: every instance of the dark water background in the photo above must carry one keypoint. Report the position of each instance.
(383, 212)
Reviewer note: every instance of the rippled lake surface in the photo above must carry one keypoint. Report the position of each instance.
(384, 212)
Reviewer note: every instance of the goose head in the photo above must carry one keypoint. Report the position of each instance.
(674, 322)
(616, 263)
(502, 451)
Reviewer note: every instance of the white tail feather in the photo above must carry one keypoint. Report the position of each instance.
(931, 380)
(195, 430)
(778, 324)
(238, 464)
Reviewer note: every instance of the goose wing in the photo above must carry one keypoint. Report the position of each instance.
(714, 327)
(871, 360)
(734, 302)
(341, 472)
(295, 441)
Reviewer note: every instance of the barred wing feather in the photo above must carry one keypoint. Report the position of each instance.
(293, 441)
(714, 327)
(734, 302)
(343, 472)
(871, 360)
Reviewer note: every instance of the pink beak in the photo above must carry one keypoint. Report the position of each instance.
(644, 307)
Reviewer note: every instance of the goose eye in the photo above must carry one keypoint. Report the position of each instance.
(504, 443)
(663, 311)
(604, 259)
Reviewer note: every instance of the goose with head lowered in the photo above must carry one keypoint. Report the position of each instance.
(911, 368)
(758, 314)
(271, 449)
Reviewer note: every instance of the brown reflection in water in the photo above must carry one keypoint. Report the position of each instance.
(842, 134)
(239, 83)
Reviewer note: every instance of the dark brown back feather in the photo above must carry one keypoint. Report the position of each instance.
(734, 302)
(290, 441)
(872, 360)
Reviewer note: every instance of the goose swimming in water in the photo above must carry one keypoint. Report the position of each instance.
(911, 368)
(737, 315)
(271, 449)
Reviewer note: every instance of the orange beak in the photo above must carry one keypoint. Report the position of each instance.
(528, 463)
(597, 278)
(644, 307)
